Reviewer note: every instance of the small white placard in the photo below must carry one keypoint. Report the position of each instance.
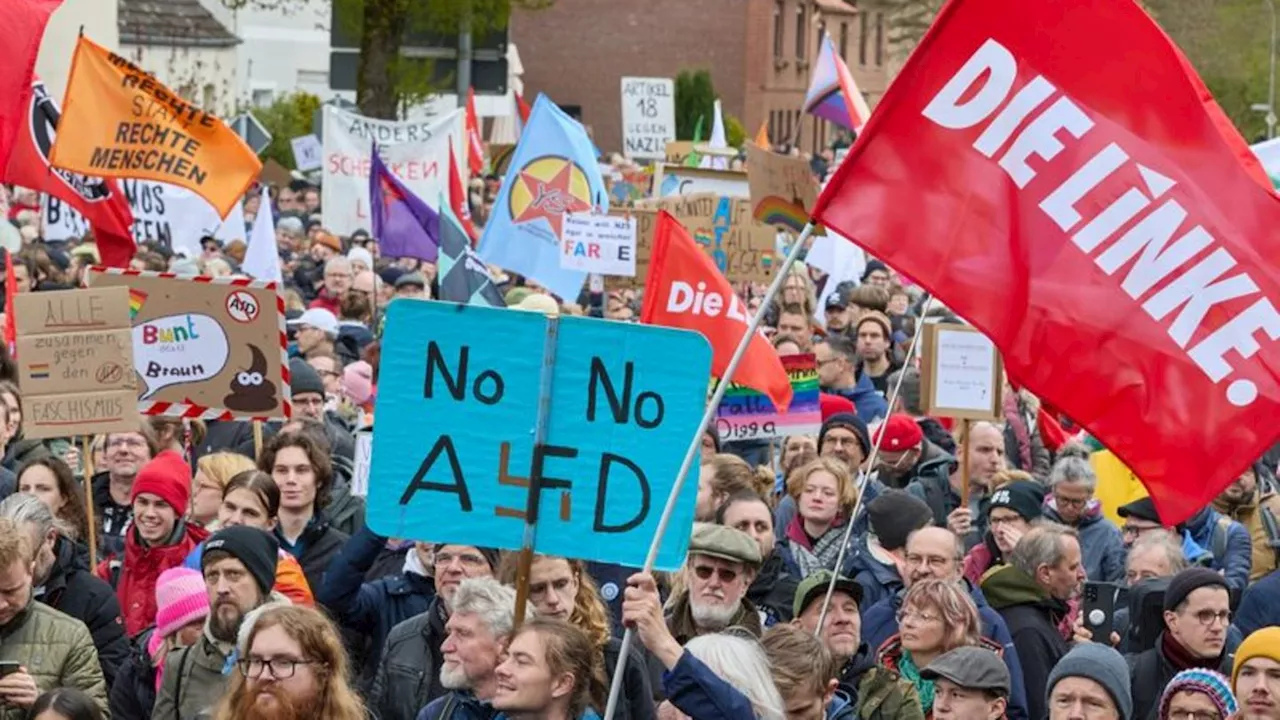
(308, 154)
(363, 460)
(603, 244)
(965, 371)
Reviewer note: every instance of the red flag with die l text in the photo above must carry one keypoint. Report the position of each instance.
(1056, 174)
(686, 290)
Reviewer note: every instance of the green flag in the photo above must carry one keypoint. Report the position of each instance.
(694, 159)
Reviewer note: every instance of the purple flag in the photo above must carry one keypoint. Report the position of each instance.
(403, 225)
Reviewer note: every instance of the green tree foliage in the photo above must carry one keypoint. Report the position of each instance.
(695, 97)
(734, 133)
(286, 118)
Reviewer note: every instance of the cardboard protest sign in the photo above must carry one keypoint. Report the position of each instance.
(746, 414)
(619, 417)
(960, 373)
(416, 151)
(212, 348)
(75, 362)
(669, 180)
(677, 151)
(169, 215)
(629, 186)
(783, 188)
(744, 250)
(604, 244)
(119, 121)
(648, 117)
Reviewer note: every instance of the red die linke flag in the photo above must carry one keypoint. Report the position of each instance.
(686, 290)
(1056, 173)
(99, 200)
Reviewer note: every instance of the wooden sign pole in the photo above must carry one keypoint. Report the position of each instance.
(86, 454)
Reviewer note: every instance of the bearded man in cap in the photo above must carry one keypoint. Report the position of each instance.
(239, 566)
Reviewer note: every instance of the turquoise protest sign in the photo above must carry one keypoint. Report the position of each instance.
(457, 413)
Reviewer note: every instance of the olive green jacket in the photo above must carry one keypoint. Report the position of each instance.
(56, 650)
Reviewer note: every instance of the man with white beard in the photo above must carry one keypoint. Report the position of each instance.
(722, 563)
(478, 628)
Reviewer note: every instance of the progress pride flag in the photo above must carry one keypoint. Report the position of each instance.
(1057, 174)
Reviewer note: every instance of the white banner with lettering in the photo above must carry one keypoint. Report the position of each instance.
(163, 213)
(417, 151)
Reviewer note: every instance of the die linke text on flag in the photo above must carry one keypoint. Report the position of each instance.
(1077, 196)
(686, 290)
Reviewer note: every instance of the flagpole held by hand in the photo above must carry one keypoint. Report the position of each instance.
(695, 446)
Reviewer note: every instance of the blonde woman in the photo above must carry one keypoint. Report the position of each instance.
(824, 495)
(213, 471)
(937, 616)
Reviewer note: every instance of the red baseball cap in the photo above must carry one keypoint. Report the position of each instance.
(901, 432)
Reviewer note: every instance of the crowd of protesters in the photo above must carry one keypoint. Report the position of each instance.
(236, 583)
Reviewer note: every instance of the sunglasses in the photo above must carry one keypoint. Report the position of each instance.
(704, 572)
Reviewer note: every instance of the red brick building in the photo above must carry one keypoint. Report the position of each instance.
(759, 52)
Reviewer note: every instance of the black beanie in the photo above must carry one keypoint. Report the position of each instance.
(849, 421)
(1188, 581)
(303, 378)
(491, 555)
(894, 515)
(1024, 497)
(255, 548)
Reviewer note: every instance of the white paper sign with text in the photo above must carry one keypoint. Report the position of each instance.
(648, 117)
(603, 244)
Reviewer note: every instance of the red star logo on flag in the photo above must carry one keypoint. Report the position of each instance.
(551, 199)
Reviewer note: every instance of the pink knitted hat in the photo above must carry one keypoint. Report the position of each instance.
(357, 382)
(181, 598)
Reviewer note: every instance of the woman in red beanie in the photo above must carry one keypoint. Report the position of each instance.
(157, 538)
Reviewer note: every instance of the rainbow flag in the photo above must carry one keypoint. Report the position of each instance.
(136, 299)
(746, 414)
(833, 95)
(38, 371)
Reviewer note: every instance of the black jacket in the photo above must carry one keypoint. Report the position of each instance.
(316, 547)
(1032, 616)
(409, 675)
(636, 702)
(1150, 671)
(133, 694)
(74, 590)
(774, 589)
(21, 451)
(112, 518)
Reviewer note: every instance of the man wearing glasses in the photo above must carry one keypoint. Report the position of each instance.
(1196, 617)
(722, 563)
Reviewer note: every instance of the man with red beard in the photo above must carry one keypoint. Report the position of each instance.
(294, 668)
(239, 565)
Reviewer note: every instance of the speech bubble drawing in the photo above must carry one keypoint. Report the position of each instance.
(178, 349)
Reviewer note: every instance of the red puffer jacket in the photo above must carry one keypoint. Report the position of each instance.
(135, 579)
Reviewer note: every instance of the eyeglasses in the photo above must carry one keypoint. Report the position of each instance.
(281, 668)
(1194, 715)
(1136, 530)
(704, 572)
(126, 442)
(1070, 502)
(1207, 617)
(915, 617)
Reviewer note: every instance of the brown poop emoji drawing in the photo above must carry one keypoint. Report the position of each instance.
(251, 391)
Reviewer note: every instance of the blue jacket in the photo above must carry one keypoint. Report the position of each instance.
(463, 706)
(841, 708)
(371, 608)
(1237, 559)
(1260, 606)
(880, 622)
(699, 693)
(878, 580)
(868, 401)
(1101, 544)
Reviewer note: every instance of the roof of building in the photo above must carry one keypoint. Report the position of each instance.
(171, 22)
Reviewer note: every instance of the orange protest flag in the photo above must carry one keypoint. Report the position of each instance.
(119, 121)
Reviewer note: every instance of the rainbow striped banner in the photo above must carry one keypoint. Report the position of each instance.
(746, 414)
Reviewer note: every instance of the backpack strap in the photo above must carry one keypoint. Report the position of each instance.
(177, 689)
(1219, 542)
(446, 713)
